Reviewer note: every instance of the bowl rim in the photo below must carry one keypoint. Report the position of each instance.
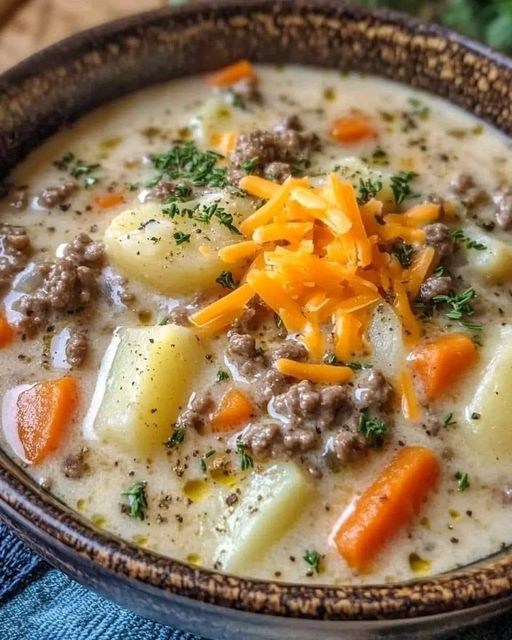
(24, 503)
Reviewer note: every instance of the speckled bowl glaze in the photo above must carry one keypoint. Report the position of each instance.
(59, 84)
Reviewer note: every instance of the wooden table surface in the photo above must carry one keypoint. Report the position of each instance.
(29, 25)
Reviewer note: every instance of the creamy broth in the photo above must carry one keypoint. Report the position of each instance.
(193, 494)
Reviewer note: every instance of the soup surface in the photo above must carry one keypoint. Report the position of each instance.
(260, 322)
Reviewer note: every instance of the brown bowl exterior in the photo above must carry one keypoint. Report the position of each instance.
(55, 87)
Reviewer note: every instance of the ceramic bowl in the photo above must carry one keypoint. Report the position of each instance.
(59, 84)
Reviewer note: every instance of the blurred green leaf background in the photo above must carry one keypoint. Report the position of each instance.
(486, 20)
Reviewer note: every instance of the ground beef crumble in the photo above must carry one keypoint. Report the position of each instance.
(273, 153)
(14, 252)
(438, 235)
(52, 196)
(502, 198)
(67, 284)
(76, 347)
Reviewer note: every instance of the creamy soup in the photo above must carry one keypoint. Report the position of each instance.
(259, 322)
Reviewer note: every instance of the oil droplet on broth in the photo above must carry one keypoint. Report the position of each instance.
(98, 521)
(454, 515)
(221, 476)
(196, 490)
(140, 540)
(419, 564)
(194, 559)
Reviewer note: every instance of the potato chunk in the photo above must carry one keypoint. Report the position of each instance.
(272, 502)
(494, 263)
(144, 380)
(488, 422)
(163, 251)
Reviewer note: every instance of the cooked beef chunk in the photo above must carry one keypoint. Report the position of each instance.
(262, 438)
(14, 252)
(286, 144)
(254, 313)
(438, 235)
(466, 190)
(75, 465)
(52, 196)
(502, 198)
(372, 389)
(161, 192)
(196, 414)
(19, 198)
(435, 286)
(267, 384)
(68, 284)
(345, 445)
(290, 349)
(243, 353)
(248, 90)
(77, 347)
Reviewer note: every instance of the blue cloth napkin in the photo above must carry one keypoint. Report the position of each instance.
(41, 603)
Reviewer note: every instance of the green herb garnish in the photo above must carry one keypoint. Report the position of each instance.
(181, 237)
(462, 480)
(459, 236)
(137, 500)
(246, 462)
(249, 165)
(222, 375)
(404, 253)
(235, 99)
(448, 421)
(330, 358)
(401, 187)
(204, 459)
(374, 430)
(177, 438)
(226, 280)
(460, 307)
(419, 108)
(313, 559)
(368, 189)
(184, 160)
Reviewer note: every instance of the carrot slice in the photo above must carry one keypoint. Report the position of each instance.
(314, 372)
(6, 332)
(411, 409)
(441, 363)
(109, 200)
(43, 413)
(386, 506)
(241, 70)
(234, 409)
(354, 128)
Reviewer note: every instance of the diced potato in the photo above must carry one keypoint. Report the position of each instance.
(144, 380)
(272, 502)
(488, 415)
(387, 341)
(493, 263)
(142, 245)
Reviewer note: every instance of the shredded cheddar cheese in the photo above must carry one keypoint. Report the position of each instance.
(321, 262)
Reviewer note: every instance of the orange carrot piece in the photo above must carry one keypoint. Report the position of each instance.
(43, 413)
(6, 332)
(353, 128)
(441, 363)
(241, 70)
(411, 409)
(109, 200)
(234, 409)
(386, 506)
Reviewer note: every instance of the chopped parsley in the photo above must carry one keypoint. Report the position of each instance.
(181, 237)
(226, 280)
(460, 307)
(379, 157)
(404, 253)
(462, 480)
(313, 559)
(235, 99)
(182, 191)
(222, 375)
(246, 462)
(459, 236)
(448, 421)
(401, 187)
(419, 109)
(374, 430)
(368, 189)
(249, 165)
(330, 358)
(177, 438)
(185, 161)
(440, 271)
(204, 459)
(137, 500)
(78, 169)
